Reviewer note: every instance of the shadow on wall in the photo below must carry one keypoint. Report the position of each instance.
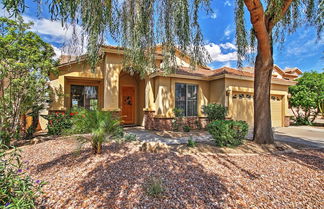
(57, 97)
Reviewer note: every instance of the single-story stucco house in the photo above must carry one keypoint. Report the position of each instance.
(150, 101)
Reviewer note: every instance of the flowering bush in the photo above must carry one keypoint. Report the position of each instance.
(17, 189)
(58, 122)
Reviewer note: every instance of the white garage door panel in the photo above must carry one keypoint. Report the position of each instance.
(243, 108)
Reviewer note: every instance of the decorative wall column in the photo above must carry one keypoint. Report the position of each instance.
(149, 106)
(149, 95)
(111, 86)
(229, 102)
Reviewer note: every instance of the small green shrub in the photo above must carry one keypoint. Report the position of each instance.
(154, 187)
(228, 132)
(177, 121)
(178, 113)
(100, 124)
(130, 137)
(186, 128)
(58, 122)
(214, 112)
(175, 125)
(299, 121)
(5, 138)
(191, 143)
(198, 124)
(17, 189)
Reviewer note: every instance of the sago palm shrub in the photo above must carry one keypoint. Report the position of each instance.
(100, 124)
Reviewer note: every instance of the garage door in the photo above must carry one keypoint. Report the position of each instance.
(276, 111)
(243, 108)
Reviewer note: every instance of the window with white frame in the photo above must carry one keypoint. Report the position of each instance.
(186, 98)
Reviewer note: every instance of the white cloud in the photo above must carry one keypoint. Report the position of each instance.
(69, 36)
(57, 51)
(228, 45)
(217, 55)
(227, 3)
(53, 29)
(214, 15)
(228, 64)
(306, 48)
(228, 31)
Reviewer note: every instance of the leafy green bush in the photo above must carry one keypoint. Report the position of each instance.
(299, 120)
(214, 112)
(177, 121)
(186, 128)
(198, 124)
(178, 113)
(5, 138)
(191, 143)
(154, 187)
(17, 189)
(58, 122)
(100, 124)
(228, 132)
(130, 137)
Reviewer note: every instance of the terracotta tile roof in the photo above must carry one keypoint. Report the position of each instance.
(209, 73)
(205, 73)
(200, 72)
(292, 70)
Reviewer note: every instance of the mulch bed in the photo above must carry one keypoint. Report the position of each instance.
(78, 179)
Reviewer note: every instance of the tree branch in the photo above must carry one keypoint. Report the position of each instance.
(271, 21)
(257, 17)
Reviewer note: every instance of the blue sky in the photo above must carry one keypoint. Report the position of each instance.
(301, 49)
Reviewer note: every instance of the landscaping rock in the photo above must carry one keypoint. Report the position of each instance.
(154, 147)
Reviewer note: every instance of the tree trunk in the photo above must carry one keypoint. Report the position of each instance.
(262, 133)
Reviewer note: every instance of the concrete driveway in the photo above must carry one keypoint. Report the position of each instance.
(305, 135)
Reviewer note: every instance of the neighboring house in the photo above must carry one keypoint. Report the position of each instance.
(150, 101)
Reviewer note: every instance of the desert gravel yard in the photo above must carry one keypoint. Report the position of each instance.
(77, 179)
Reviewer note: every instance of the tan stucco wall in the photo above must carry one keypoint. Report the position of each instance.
(246, 86)
(217, 91)
(71, 74)
(165, 95)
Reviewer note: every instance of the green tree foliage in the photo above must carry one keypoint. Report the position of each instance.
(307, 97)
(138, 25)
(100, 124)
(25, 64)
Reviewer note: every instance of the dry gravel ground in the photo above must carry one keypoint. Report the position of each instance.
(115, 179)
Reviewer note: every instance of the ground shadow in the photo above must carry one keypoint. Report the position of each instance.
(120, 183)
(78, 156)
(280, 136)
(310, 158)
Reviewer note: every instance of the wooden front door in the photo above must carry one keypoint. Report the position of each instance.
(128, 105)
